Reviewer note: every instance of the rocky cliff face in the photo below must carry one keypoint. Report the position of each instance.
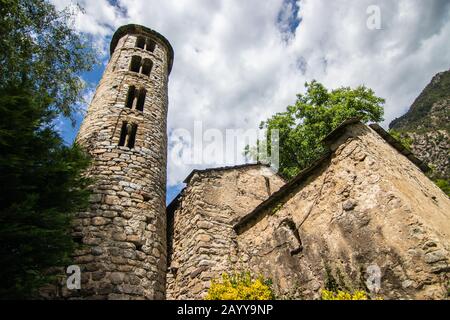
(427, 125)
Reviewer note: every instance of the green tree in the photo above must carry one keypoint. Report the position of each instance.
(41, 187)
(444, 184)
(41, 58)
(401, 137)
(38, 45)
(315, 114)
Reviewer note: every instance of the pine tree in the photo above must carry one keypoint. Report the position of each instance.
(41, 186)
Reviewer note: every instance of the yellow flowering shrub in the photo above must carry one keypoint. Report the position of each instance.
(342, 295)
(240, 286)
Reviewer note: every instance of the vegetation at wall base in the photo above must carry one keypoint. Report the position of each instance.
(41, 182)
(343, 295)
(240, 286)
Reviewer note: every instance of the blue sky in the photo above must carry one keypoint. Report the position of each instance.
(238, 62)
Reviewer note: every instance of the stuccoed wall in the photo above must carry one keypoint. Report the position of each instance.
(367, 206)
(124, 229)
(202, 241)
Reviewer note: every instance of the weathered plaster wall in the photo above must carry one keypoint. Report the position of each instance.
(201, 226)
(368, 205)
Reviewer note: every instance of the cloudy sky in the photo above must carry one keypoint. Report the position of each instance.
(238, 62)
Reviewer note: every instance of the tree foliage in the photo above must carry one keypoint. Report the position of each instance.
(444, 184)
(38, 45)
(41, 187)
(41, 184)
(314, 115)
(401, 137)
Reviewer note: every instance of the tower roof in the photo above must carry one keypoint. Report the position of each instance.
(136, 28)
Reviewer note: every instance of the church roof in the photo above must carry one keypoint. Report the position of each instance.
(173, 204)
(239, 166)
(259, 212)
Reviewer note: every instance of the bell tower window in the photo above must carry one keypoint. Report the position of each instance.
(135, 64)
(128, 135)
(147, 67)
(145, 43)
(135, 98)
(140, 42)
(123, 134)
(141, 99)
(132, 136)
(131, 97)
(149, 45)
(140, 65)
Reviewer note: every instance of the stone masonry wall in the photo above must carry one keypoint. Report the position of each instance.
(203, 239)
(124, 229)
(367, 206)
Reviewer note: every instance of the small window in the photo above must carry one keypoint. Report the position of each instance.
(132, 136)
(123, 134)
(128, 135)
(150, 45)
(140, 42)
(135, 64)
(147, 67)
(141, 99)
(130, 97)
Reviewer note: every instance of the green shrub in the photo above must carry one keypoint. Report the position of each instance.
(342, 295)
(401, 137)
(444, 185)
(240, 286)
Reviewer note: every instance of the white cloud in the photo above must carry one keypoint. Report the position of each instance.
(236, 62)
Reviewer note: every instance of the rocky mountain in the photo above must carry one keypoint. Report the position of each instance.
(426, 125)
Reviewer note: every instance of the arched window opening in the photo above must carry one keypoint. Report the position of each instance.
(128, 135)
(140, 42)
(132, 137)
(141, 99)
(145, 43)
(131, 97)
(123, 134)
(147, 67)
(150, 45)
(135, 64)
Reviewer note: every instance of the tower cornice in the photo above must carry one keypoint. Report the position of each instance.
(138, 29)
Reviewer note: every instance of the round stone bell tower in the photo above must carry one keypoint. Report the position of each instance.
(124, 229)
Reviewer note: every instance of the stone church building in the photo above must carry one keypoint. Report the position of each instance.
(365, 205)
